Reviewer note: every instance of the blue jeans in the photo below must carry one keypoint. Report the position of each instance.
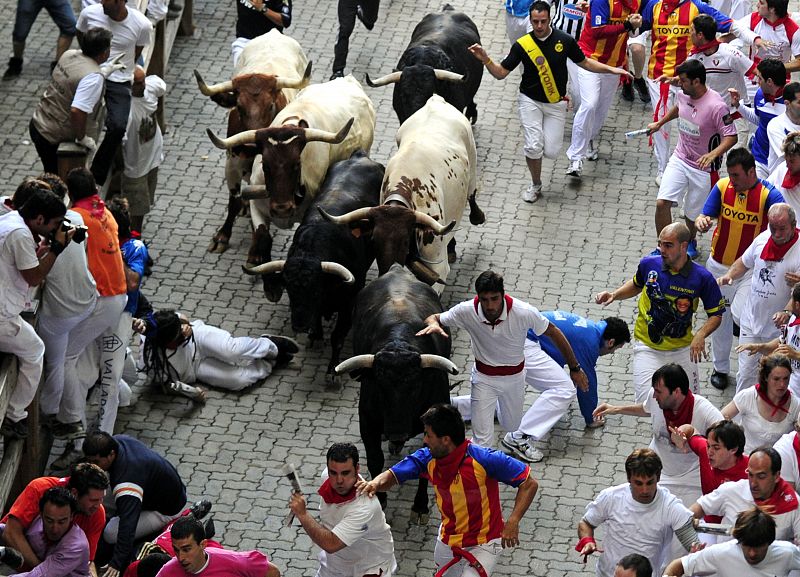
(27, 11)
(118, 107)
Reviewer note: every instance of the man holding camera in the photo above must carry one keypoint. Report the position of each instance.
(22, 267)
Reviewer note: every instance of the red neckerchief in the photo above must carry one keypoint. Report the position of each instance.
(772, 251)
(331, 497)
(782, 405)
(795, 322)
(703, 47)
(779, 22)
(782, 500)
(447, 467)
(683, 416)
(771, 98)
(796, 445)
(93, 204)
(790, 180)
(669, 6)
(509, 303)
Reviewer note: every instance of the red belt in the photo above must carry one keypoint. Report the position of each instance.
(458, 555)
(503, 371)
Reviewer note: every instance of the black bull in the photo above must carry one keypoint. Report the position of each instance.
(402, 375)
(438, 43)
(323, 255)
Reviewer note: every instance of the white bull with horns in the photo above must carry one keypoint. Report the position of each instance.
(326, 123)
(428, 182)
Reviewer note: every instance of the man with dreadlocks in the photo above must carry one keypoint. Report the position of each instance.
(176, 352)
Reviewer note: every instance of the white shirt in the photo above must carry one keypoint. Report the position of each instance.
(758, 431)
(726, 68)
(769, 292)
(134, 31)
(793, 340)
(733, 497)
(361, 525)
(143, 144)
(727, 560)
(781, 46)
(785, 448)
(501, 344)
(89, 92)
(790, 195)
(632, 527)
(777, 129)
(70, 289)
(17, 252)
(676, 463)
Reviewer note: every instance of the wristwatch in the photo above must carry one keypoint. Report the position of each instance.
(264, 7)
(575, 368)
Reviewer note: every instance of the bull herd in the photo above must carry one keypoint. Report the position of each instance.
(313, 141)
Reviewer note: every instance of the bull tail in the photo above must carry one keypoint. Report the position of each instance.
(476, 215)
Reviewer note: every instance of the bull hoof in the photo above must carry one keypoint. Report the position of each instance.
(476, 216)
(419, 518)
(333, 382)
(218, 244)
(395, 447)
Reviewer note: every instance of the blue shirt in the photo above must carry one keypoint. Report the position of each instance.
(134, 253)
(584, 336)
(765, 111)
(519, 8)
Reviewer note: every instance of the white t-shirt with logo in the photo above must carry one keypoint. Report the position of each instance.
(769, 292)
(725, 69)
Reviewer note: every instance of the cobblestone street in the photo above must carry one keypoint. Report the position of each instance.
(578, 240)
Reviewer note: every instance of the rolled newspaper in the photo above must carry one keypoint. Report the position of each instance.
(713, 528)
(634, 133)
(289, 471)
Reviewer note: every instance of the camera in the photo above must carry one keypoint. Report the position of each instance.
(80, 230)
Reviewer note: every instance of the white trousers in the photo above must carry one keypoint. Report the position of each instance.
(236, 48)
(113, 345)
(517, 27)
(18, 338)
(229, 362)
(557, 392)
(596, 96)
(542, 127)
(106, 314)
(661, 138)
(55, 333)
(486, 554)
(722, 338)
(505, 394)
(749, 366)
(149, 522)
(647, 361)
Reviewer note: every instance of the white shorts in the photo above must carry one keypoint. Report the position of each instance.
(641, 39)
(486, 554)
(542, 127)
(685, 184)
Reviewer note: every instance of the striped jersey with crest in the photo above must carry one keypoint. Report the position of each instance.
(610, 50)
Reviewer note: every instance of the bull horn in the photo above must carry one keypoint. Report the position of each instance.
(355, 363)
(297, 83)
(424, 273)
(214, 88)
(254, 191)
(246, 137)
(352, 216)
(437, 228)
(271, 267)
(447, 75)
(392, 78)
(338, 270)
(437, 362)
(315, 134)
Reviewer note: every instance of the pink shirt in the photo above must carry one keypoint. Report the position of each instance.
(223, 563)
(702, 123)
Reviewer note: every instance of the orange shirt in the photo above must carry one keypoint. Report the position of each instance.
(26, 508)
(103, 254)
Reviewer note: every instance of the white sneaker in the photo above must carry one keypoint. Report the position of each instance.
(522, 448)
(575, 168)
(592, 153)
(658, 177)
(532, 193)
